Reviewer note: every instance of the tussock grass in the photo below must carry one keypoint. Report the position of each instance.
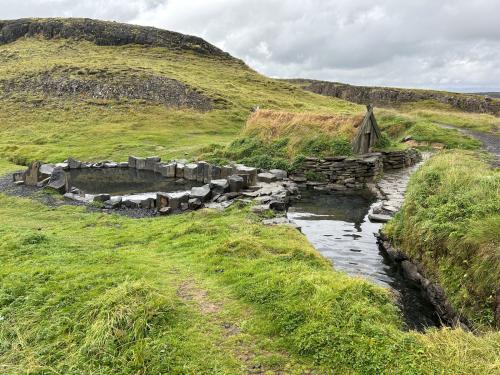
(270, 125)
(450, 222)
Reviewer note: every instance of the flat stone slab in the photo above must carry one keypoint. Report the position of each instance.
(379, 218)
(280, 221)
(266, 177)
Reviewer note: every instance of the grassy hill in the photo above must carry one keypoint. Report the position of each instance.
(207, 292)
(50, 118)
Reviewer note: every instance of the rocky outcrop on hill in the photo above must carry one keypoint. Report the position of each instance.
(388, 96)
(104, 34)
(74, 83)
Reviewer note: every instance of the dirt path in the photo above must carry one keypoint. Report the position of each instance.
(490, 142)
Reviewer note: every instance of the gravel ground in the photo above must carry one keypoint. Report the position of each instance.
(491, 142)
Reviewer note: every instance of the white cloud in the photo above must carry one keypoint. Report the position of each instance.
(451, 44)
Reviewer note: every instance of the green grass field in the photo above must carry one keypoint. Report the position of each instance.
(205, 292)
(202, 293)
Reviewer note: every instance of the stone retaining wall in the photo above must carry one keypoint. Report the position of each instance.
(344, 173)
(414, 273)
(400, 159)
(223, 184)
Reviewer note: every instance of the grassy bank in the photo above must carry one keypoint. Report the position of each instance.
(205, 292)
(450, 223)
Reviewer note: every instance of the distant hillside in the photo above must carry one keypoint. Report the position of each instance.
(98, 90)
(103, 33)
(490, 94)
(392, 97)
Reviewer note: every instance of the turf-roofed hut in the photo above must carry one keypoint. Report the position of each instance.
(317, 134)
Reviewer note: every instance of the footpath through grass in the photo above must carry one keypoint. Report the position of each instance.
(450, 222)
(205, 292)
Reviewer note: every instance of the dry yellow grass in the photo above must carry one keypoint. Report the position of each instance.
(269, 125)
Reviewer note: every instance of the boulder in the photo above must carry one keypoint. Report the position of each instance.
(179, 170)
(191, 172)
(32, 175)
(46, 170)
(63, 165)
(102, 197)
(172, 200)
(123, 164)
(379, 218)
(150, 162)
(195, 203)
(263, 199)
(58, 180)
(161, 168)
(203, 193)
(214, 172)
(169, 170)
(140, 163)
(226, 171)
(113, 202)
(147, 203)
(242, 170)
(266, 177)
(74, 164)
(146, 200)
(235, 183)
(78, 198)
(110, 164)
(132, 162)
(279, 173)
(165, 211)
(202, 172)
(219, 186)
(278, 205)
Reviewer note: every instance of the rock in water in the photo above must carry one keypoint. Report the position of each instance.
(58, 180)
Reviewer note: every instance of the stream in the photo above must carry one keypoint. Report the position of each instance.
(337, 225)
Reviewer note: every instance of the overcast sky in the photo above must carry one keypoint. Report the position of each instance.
(447, 44)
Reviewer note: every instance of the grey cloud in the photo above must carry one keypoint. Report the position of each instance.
(450, 44)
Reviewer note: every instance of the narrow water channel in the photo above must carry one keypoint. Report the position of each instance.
(338, 227)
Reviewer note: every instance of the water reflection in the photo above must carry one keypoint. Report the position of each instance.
(338, 227)
(122, 181)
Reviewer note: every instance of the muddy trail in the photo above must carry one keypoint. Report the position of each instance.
(490, 142)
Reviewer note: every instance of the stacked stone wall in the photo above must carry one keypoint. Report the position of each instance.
(339, 173)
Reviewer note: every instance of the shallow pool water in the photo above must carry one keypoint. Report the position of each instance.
(124, 181)
(337, 226)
